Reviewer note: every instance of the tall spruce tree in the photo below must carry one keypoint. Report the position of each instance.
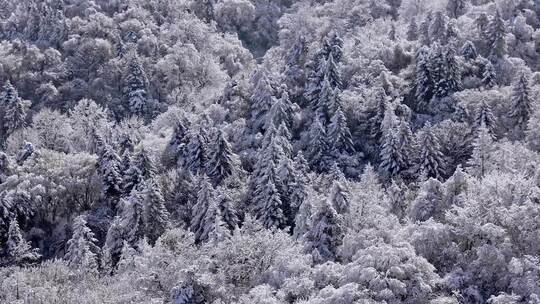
(431, 159)
(17, 250)
(325, 234)
(156, 215)
(82, 249)
(521, 107)
(220, 159)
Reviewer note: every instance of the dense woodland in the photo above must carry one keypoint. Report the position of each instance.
(270, 151)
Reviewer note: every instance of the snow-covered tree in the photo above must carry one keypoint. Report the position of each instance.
(423, 82)
(520, 109)
(196, 153)
(135, 88)
(468, 51)
(318, 147)
(262, 99)
(109, 167)
(13, 109)
(281, 111)
(484, 116)
(339, 134)
(412, 30)
(325, 234)
(489, 76)
(156, 216)
(269, 208)
(205, 197)
(82, 249)
(431, 159)
(339, 197)
(392, 159)
(456, 8)
(483, 146)
(220, 163)
(141, 168)
(495, 34)
(175, 150)
(17, 250)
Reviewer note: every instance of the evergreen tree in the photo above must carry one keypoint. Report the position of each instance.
(412, 30)
(113, 245)
(339, 134)
(483, 145)
(482, 22)
(339, 197)
(175, 149)
(217, 230)
(82, 249)
(375, 116)
(468, 51)
(326, 234)
(17, 250)
(318, 147)
(109, 167)
(489, 76)
(281, 112)
(423, 82)
(432, 162)
(437, 29)
(294, 74)
(453, 72)
(392, 159)
(205, 196)
(141, 168)
(196, 153)
(12, 109)
(135, 88)
(220, 161)
(269, 208)
(485, 117)
(156, 216)
(521, 107)
(495, 33)
(261, 102)
(132, 218)
(228, 213)
(424, 29)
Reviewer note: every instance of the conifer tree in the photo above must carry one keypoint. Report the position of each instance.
(269, 208)
(483, 145)
(135, 88)
(423, 82)
(141, 168)
(12, 109)
(205, 196)
(175, 149)
(485, 117)
(229, 214)
(109, 167)
(468, 51)
(281, 112)
(437, 29)
(432, 161)
(196, 153)
(456, 8)
(261, 102)
(156, 216)
(132, 218)
(82, 249)
(318, 147)
(17, 250)
(521, 107)
(220, 159)
(496, 32)
(217, 230)
(339, 133)
(392, 159)
(489, 76)
(113, 245)
(325, 234)
(425, 38)
(339, 197)
(294, 74)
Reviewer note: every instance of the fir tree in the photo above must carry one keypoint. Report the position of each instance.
(156, 216)
(483, 145)
(135, 88)
(495, 33)
(269, 208)
(109, 167)
(489, 76)
(456, 8)
(228, 213)
(220, 161)
(261, 102)
(485, 117)
(281, 112)
(521, 107)
(339, 134)
(196, 153)
(326, 233)
(175, 149)
(141, 168)
(423, 82)
(468, 51)
(82, 249)
(17, 250)
(13, 109)
(424, 29)
(437, 29)
(113, 245)
(339, 197)
(392, 159)
(205, 196)
(432, 162)
(132, 218)
(318, 147)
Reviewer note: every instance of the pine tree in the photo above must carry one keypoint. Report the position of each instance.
(485, 117)
(126, 261)
(453, 72)
(113, 245)
(82, 249)
(135, 88)
(294, 74)
(339, 134)
(437, 29)
(228, 213)
(412, 30)
(489, 76)
(318, 147)
(302, 218)
(521, 108)
(339, 197)
(392, 159)
(269, 208)
(483, 145)
(432, 161)
(261, 102)
(13, 109)
(17, 250)
(220, 161)
(424, 29)
(281, 112)
(326, 234)
(132, 218)
(495, 33)
(196, 153)
(482, 22)
(175, 149)
(141, 168)
(109, 167)
(205, 196)
(468, 51)
(217, 230)
(423, 82)
(156, 216)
